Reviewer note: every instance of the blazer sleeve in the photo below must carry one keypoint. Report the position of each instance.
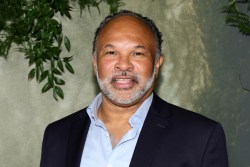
(216, 153)
(54, 146)
(44, 155)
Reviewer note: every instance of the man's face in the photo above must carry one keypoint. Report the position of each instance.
(125, 63)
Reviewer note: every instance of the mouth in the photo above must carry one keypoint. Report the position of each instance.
(124, 82)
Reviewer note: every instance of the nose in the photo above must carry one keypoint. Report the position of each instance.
(124, 64)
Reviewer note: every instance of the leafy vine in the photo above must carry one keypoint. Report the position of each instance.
(31, 25)
(237, 15)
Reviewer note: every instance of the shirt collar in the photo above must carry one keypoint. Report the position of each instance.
(137, 118)
(140, 115)
(93, 108)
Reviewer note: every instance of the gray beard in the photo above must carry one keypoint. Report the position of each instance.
(105, 88)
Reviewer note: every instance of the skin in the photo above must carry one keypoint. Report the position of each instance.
(124, 44)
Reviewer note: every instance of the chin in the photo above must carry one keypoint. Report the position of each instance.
(127, 97)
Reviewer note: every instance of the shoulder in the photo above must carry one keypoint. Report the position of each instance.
(183, 118)
(184, 124)
(188, 135)
(65, 122)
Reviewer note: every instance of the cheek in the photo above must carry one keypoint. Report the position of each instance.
(145, 69)
(105, 68)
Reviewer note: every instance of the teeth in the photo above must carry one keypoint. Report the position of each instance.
(123, 81)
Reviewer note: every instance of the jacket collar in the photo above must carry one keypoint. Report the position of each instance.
(77, 136)
(156, 124)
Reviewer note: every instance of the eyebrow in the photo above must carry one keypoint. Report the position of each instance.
(136, 47)
(139, 47)
(109, 46)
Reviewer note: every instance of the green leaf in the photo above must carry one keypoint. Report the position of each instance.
(50, 79)
(68, 14)
(57, 91)
(68, 59)
(52, 63)
(69, 67)
(55, 27)
(59, 81)
(39, 62)
(59, 40)
(67, 43)
(56, 71)
(46, 87)
(55, 51)
(37, 74)
(5, 47)
(41, 68)
(31, 60)
(60, 65)
(55, 95)
(31, 74)
(44, 75)
(114, 5)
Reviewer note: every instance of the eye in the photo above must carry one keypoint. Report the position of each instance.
(110, 53)
(138, 53)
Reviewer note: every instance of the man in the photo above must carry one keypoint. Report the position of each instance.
(127, 125)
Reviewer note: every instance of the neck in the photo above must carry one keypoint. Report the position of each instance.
(116, 117)
(112, 112)
(109, 112)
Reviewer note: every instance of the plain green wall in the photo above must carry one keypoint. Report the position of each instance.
(203, 62)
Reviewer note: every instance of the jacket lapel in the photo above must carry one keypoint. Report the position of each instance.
(156, 124)
(77, 137)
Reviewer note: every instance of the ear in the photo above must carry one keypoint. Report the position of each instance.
(158, 64)
(94, 61)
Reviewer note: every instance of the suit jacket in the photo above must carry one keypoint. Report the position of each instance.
(170, 137)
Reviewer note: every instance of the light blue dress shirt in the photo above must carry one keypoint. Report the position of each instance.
(98, 150)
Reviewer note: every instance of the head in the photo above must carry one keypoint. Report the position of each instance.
(157, 34)
(127, 57)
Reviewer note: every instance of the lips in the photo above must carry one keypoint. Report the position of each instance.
(124, 82)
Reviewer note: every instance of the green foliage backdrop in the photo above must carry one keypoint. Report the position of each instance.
(31, 25)
(237, 15)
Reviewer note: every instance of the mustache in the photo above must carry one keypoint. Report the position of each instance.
(125, 75)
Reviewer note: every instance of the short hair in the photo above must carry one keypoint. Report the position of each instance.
(157, 34)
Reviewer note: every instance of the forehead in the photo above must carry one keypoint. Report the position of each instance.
(126, 21)
(127, 26)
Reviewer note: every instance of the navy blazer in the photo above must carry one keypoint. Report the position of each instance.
(170, 137)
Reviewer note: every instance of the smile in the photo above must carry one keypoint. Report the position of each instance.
(123, 81)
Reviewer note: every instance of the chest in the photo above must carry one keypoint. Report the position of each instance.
(99, 151)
